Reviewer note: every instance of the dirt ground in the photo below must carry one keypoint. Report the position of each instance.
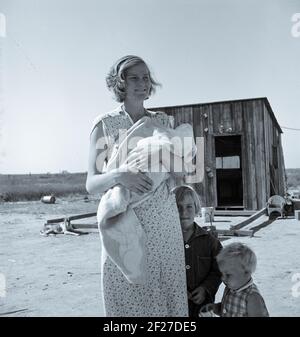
(60, 275)
(48, 276)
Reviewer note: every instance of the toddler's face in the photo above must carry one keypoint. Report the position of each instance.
(186, 209)
(233, 274)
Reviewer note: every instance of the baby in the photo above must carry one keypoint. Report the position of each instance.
(161, 147)
(241, 298)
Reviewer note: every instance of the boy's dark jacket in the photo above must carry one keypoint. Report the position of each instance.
(202, 269)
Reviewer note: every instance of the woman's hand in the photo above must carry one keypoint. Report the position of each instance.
(145, 159)
(131, 178)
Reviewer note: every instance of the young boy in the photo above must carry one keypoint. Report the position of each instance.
(201, 248)
(241, 297)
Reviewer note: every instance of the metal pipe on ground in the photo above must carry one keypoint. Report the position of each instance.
(48, 199)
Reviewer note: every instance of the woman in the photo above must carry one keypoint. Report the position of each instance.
(164, 292)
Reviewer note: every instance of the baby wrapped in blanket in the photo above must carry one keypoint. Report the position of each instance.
(122, 235)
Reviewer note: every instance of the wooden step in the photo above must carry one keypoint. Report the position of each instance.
(231, 232)
(234, 213)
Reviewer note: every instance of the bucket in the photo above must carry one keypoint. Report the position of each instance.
(207, 214)
(48, 199)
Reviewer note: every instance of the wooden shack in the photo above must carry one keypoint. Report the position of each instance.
(243, 158)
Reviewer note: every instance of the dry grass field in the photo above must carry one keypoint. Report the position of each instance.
(24, 187)
(293, 179)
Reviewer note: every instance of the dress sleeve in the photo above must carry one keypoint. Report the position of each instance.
(108, 141)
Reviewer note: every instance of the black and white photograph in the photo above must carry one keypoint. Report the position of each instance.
(150, 160)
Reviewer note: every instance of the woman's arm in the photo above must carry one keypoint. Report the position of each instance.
(147, 160)
(98, 182)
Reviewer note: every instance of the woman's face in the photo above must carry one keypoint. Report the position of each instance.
(137, 83)
(186, 209)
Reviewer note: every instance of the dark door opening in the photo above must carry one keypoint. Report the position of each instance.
(229, 171)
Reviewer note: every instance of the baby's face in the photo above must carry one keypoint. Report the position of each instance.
(233, 274)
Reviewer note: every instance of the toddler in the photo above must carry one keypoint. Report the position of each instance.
(241, 298)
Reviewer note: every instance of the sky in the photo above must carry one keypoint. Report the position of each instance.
(55, 54)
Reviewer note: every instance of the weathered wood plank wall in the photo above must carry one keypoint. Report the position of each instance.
(259, 130)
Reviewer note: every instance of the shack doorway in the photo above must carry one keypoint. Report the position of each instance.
(229, 176)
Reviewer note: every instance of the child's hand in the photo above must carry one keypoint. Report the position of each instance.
(198, 295)
(208, 307)
(208, 310)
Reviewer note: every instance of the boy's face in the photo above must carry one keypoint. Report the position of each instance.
(233, 274)
(186, 209)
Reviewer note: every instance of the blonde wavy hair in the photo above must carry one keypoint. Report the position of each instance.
(242, 253)
(115, 79)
